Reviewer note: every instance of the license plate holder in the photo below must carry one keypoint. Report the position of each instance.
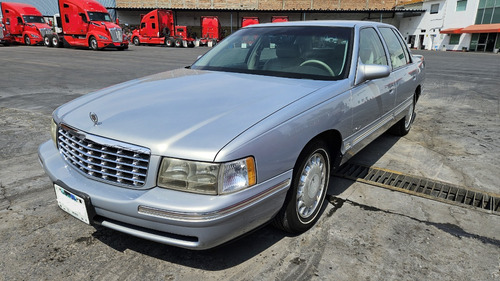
(72, 203)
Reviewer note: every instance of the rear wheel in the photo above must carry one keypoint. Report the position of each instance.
(27, 40)
(403, 126)
(93, 43)
(136, 41)
(178, 42)
(55, 41)
(46, 41)
(169, 42)
(305, 198)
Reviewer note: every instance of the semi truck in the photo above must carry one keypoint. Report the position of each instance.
(85, 23)
(158, 27)
(22, 24)
(246, 21)
(211, 31)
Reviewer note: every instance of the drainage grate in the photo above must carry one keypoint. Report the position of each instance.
(422, 187)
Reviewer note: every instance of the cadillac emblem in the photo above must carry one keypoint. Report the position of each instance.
(94, 118)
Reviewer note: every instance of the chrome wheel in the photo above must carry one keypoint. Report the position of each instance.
(409, 116)
(27, 40)
(311, 186)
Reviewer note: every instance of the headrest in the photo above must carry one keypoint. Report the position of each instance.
(287, 51)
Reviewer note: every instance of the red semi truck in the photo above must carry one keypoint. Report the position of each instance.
(279, 18)
(211, 30)
(246, 21)
(85, 23)
(158, 27)
(22, 24)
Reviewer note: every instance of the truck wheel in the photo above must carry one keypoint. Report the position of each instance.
(178, 42)
(47, 41)
(27, 40)
(55, 41)
(93, 43)
(214, 42)
(191, 44)
(169, 42)
(136, 41)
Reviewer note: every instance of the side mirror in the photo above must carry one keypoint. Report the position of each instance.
(371, 71)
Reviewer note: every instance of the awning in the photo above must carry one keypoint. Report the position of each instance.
(452, 31)
(482, 28)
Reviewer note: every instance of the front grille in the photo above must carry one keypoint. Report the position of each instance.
(116, 34)
(45, 31)
(117, 163)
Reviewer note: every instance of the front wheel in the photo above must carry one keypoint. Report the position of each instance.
(136, 41)
(305, 198)
(27, 40)
(93, 43)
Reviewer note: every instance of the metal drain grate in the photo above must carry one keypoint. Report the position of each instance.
(422, 187)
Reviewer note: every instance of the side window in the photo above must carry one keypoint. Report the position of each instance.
(143, 25)
(371, 50)
(153, 25)
(396, 51)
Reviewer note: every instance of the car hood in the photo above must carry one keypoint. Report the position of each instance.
(185, 113)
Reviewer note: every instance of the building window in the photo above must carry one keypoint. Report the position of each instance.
(461, 5)
(434, 8)
(454, 39)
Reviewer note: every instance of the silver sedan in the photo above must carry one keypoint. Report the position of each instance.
(246, 135)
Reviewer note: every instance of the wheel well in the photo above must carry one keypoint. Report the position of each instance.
(418, 91)
(333, 140)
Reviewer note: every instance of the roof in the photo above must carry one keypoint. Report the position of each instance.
(335, 23)
(482, 28)
(451, 31)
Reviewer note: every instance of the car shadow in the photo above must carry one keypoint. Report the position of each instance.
(243, 248)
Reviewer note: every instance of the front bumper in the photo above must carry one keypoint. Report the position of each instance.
(111, 44)
(171, 217)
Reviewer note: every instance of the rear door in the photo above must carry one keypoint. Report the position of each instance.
(401, 64)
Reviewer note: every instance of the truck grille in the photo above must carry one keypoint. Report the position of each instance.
(118, 163)
(116, 34)
(45, 31)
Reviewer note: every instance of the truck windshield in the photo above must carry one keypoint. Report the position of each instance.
(306, 52)
(96, 16)
(33, 19)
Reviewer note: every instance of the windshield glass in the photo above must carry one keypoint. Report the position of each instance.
(309, 52)
(96, 16)
(33, 19)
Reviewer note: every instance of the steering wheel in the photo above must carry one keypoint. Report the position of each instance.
(324, 65)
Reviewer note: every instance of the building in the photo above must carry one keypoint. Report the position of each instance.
(453, 25)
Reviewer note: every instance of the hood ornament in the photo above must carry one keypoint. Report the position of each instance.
(94, 118)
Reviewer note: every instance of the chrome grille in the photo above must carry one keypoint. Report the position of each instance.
(116, 34)
(45, 31)
(119, 164)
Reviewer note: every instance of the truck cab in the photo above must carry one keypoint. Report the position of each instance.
(158, 27)
(23, 24)
(246, 21)
(85, 24)
(211, 31)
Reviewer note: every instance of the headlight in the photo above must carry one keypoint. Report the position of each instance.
(53, 131)
(207, 178)
(103, 37)
(35, 36)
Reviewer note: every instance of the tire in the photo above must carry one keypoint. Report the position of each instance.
(93, 43)
(169, 42)
(47, 41)
(214, 42)
(27, 40)
(403, 127)
(178, 42)
(304, 200)
(191, 44)
(55, 41)
(136, 41)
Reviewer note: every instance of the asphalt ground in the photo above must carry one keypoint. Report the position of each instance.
(365, 232)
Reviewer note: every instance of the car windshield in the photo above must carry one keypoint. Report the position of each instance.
(33, 19)
(307, 52)
(95, 16)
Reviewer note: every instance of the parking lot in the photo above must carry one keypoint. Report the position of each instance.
(366, 232)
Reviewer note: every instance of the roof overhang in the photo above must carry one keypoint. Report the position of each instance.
(482, 28)
(452, 31)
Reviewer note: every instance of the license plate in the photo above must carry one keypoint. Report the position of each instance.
(72, 204)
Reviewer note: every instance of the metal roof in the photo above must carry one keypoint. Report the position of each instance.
(49, 7)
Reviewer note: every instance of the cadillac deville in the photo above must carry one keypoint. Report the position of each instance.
(246, 135)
